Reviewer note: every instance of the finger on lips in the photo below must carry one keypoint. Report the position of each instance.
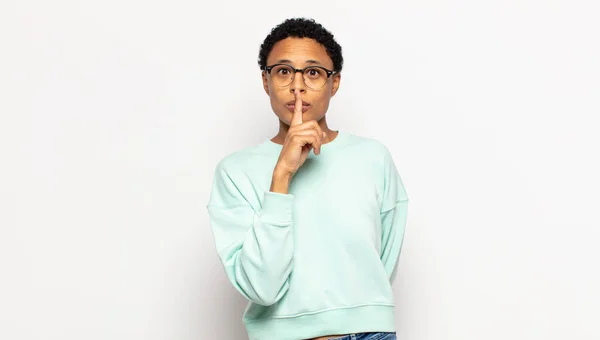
(297, 117)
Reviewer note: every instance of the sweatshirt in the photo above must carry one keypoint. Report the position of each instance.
(321, 259)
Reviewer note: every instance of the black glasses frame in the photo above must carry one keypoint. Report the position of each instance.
(296, 70)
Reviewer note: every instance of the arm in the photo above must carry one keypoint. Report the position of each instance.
(255, 246)
(394, 208)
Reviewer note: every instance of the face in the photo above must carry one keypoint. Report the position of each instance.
(298, 52)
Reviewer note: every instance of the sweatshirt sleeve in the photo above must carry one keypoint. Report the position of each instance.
(255, 245)
(394, 209)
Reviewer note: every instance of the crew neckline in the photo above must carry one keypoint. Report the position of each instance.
(332, 145)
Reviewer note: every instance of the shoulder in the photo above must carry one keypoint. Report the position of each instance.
(241, 160)
(371, 147)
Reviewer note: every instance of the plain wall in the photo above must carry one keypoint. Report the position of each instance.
(115, 113)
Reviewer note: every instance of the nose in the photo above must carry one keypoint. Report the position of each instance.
(298, 83)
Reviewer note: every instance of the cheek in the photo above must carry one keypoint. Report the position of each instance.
(277, 93)
(321, 100)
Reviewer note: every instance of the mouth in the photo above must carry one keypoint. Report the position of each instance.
(292, 102)
(292, 107)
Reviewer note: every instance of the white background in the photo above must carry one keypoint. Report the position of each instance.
(114, 114)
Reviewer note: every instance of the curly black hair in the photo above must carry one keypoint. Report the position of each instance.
(302, 28)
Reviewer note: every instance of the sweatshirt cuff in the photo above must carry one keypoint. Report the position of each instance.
(277, 207)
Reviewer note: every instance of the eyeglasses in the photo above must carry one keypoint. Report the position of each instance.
(314, 77)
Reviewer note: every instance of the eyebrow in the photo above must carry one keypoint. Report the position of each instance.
(310, 61)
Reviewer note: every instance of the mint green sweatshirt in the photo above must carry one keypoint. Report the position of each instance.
(321, 259)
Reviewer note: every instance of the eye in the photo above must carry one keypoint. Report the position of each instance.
(314, 73)
(283, 71)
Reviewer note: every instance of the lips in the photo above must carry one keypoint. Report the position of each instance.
(293, 102)
(292, 107)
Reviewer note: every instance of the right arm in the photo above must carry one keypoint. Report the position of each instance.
(255, 245)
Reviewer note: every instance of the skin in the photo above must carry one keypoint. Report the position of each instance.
(299, 51)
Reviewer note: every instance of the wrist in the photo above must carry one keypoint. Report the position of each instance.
(282, 174)
(280, 181)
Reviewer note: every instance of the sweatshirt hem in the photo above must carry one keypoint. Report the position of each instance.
(364, 318)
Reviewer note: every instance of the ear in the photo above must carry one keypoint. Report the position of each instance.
(336, 83)
(265, 81)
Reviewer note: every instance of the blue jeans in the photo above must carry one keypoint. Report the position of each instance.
(369, 336)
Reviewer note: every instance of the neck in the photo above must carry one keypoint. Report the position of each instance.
(284, 128)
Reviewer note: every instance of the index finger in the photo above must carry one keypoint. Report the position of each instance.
(297, 117)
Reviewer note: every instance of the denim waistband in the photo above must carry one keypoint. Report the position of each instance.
(368, 336)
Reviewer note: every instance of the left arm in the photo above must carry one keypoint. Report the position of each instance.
(394, 208)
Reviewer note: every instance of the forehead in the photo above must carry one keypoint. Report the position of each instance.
(298, 51)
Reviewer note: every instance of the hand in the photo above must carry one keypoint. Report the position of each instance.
(300, 139)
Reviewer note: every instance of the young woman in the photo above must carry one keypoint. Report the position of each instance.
(309, 224)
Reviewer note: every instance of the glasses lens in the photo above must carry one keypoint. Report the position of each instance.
(315, 77)
(282, 75)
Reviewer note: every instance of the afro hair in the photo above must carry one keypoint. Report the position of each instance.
(302, 28)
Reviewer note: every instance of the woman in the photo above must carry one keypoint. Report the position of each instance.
(309, 224)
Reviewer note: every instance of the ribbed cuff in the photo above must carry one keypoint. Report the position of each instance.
(277, 207)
